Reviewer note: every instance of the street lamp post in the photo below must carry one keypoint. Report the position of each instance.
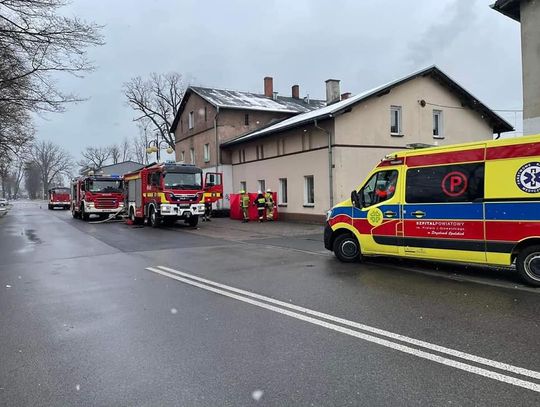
(154, 146)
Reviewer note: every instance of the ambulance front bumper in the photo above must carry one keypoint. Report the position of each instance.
(328, 237)
(181, 210)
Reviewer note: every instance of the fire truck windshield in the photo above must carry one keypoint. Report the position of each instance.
(104, 185)
(180, 180)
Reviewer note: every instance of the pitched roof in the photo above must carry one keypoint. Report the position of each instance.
(497, 122)
(510, 8)
(233, 99)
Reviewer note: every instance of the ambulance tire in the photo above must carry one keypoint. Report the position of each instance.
(346, 248)
(528, 265)
(153, 218)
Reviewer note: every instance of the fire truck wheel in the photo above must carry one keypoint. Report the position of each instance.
(346, 248)
(132, 217)
(193, 221)
(84, 215)
(50, 207)
(74, 213)
(528, 265)
(154, 218)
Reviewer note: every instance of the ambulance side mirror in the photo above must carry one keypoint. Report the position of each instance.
(355, 199)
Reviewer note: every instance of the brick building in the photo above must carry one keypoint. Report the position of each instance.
(208, 117)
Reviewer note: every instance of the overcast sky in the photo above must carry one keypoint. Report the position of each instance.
(234, 44)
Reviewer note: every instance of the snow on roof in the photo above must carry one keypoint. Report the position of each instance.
(328, 111)
(234, 99)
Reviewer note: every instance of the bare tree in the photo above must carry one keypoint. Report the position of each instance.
(37, 43)
(114, 152)
(125, 150)
(32, 179)
(95, 157)
(157, 100)
(140, 143)
(52, 161)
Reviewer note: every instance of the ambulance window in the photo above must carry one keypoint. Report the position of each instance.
(380, 187)
(445, 183)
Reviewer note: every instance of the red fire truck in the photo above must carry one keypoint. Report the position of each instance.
(59, 197)
(100, 195)
(167, 192)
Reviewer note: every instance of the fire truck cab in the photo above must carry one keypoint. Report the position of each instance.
(100, 195)
(59, 197)
(167, 192)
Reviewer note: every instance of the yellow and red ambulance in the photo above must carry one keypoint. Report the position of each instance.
(474, 203)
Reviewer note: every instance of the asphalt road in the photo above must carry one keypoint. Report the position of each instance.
(240, 315)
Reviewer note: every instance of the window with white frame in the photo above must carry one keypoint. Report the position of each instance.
(206, 152)
(309, 191)
(395, 120)
(190, 120)
(192, 156)
(243, 186)
(438, 124)
(282, 193)
(262, 185)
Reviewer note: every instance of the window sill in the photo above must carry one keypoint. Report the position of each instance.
(282, 205)
(309, 205)
(396, 135)
(438, 137)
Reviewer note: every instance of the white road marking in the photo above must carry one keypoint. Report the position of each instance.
(383, 342)
(382, 332)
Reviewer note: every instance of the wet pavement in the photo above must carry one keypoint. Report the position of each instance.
(234, 314)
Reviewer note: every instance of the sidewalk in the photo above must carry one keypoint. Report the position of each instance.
(236, 230)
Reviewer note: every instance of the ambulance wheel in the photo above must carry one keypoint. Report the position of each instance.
(154, 218)
(346, 248)
(193, 221)
(528, 265)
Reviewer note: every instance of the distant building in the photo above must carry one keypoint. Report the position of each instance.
(527, 12)
(114, 169)
(314, 159)
(208, 117)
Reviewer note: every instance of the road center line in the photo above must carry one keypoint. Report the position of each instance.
(381, 332)
(383, 342)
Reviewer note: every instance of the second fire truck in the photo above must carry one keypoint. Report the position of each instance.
(101, 195)
(59, 197)
(167, 192)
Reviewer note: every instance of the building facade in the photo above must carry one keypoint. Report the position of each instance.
(527, 12)
(313, 160)
(208, 117)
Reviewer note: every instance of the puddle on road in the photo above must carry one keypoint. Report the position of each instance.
(32, 239)
(31, 235)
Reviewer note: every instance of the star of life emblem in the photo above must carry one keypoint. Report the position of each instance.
(528, 177)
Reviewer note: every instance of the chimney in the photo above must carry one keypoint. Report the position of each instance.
(332, 91)
(345, 95)
(274, 95)
(268, 86)
(295, 91)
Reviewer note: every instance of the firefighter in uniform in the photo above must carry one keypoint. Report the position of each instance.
(244, 205)
(260, 203)
(269, 204)
(207, 209)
